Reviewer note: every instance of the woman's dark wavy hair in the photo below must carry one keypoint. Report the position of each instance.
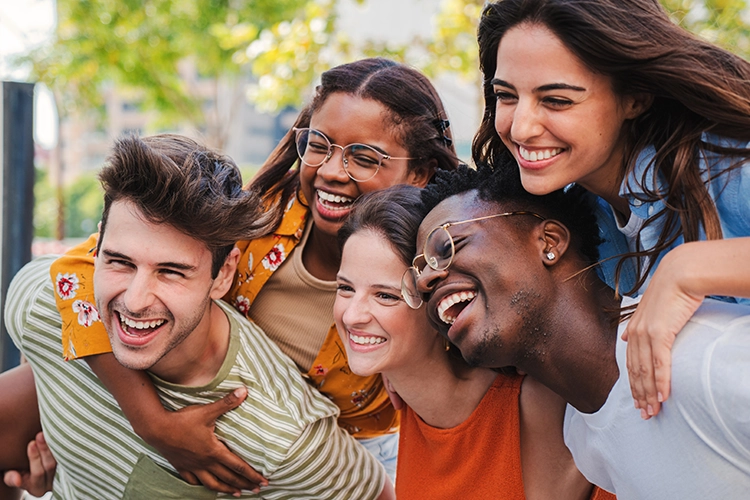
(416, 113)
(572, 206)
(697, 87)
(395, 213)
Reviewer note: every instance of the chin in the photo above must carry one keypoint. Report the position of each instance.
(362, 369)
(131, 360)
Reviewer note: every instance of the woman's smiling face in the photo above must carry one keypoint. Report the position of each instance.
(381, 333)
(562, 122)
(347, 119)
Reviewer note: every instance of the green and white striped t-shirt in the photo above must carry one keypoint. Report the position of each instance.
(285, 429)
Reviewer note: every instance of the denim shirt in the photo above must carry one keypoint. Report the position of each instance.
(730, 192)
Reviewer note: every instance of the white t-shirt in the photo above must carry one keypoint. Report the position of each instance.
(698, 447)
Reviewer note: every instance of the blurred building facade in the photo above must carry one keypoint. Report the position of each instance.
(251, 135)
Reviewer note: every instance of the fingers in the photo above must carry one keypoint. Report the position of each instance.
(49, 464)
(189, 477)
(640, 364)
(242, 474)
(225, 404)
(663, 370)
(223, 480)
(13, 479)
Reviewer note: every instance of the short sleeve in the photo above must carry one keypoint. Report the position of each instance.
(83, 333)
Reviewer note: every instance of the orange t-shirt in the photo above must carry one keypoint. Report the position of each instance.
(478, 459)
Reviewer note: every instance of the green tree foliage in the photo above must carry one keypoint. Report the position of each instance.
(286, 44)
(83, 206)
(140, 45)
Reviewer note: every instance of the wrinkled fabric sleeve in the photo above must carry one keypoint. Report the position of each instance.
(72, 275)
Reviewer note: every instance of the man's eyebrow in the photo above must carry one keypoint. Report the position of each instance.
(541, 88)
(114, 255)
(172, 265)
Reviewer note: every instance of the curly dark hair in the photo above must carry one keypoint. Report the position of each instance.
(573, 206)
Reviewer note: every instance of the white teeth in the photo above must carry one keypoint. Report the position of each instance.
(333, 198)
(451, 300)
(140, 325)
(366, 340)
(544, 154)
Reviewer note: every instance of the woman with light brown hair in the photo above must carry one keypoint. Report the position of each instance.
(615, 97)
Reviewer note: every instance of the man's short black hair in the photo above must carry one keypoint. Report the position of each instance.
(573, 206)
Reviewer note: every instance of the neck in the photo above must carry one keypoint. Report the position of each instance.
(580, 341)
(198, 358)
(439, 381)
(322, 255)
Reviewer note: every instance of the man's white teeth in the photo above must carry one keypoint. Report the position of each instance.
(333, 198)
(544, 154)
(140, 325)
(450, 301)
(366, 340)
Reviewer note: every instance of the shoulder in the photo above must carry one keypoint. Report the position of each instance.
(30, 295)
(263, 367)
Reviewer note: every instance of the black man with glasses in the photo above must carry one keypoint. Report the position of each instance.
(535, 302)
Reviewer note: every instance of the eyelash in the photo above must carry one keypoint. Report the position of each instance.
(387, 296)
(507, 97)
(501, 96)
(556, 102)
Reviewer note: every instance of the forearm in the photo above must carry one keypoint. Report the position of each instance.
(702, 268)
(19, 416)
(134, 392)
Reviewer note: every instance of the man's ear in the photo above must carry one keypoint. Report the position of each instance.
(223, 281)
(553, 242)
(421, 175)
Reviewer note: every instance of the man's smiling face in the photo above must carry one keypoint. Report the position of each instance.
(496, 262)
(153, 287)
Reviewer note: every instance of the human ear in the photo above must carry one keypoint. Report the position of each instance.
(553, 242)
(223, 281)
(637, 104)
(421, 175)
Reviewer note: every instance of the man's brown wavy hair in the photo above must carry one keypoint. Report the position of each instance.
(176, 181)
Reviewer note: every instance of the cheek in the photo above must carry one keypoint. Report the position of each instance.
(503, 120)
(306, 180)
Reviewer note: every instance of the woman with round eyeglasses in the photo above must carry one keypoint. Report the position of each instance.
(614, 96)
(371, 124)
(466, 432)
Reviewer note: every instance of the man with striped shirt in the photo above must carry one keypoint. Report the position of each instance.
(165, 257)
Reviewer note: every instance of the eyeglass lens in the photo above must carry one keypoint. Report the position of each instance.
(438, 249)
(409, 289)
(361, 162)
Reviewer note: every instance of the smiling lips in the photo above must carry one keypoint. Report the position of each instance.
(543, 154)
(366, 340)
(451, 306)
(334, 202)
(139, 328)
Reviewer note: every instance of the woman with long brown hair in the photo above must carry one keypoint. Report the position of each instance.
(615, 97)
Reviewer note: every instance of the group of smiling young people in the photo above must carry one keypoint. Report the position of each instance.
(650, 124)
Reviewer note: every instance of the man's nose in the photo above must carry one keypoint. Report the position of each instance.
(428, 280)
(139, 295)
